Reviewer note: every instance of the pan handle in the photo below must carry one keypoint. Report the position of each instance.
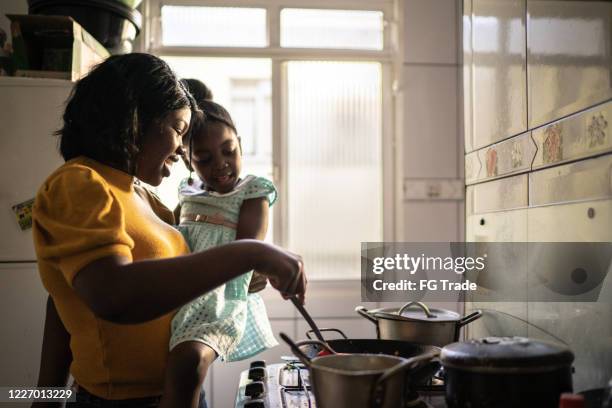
(364, 312)
(411, 363)
(470, 318)
(422, 305)
(315, 342)
(296, 350)
(309, 332)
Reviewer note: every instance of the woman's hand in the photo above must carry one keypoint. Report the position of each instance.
(258, 282)
(284, 269)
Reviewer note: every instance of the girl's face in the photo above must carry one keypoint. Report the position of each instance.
(161, 146)
(216, 157)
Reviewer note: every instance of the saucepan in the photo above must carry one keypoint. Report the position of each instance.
(358, 380)
(395, 348)
(506, 372)
(417, 323)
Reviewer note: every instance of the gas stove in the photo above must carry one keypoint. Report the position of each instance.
(286, 385)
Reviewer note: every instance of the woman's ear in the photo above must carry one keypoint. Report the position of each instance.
(239, 144)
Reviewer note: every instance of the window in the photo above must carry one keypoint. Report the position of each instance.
(213, 26)
(316, 28)
(308, 97)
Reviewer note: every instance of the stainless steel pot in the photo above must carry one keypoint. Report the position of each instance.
(358, 380)
(417, 323)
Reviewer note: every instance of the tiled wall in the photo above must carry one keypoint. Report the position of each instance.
(538, 168)
(432, 124)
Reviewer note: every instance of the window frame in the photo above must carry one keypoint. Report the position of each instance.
(390, 58)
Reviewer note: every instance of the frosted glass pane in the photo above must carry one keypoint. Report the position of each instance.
(214, 26)
(312, 28)
(334, 164)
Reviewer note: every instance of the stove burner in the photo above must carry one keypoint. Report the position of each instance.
(288, 386)
(294, 398)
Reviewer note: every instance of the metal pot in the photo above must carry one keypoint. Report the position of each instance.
(417, 323)
(506, 372)
(395, 348)
(358, 380)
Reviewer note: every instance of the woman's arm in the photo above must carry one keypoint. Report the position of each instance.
(134, 292)
(55, 357)
(253, 224)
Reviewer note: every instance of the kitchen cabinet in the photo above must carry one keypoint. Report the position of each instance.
(498, 71)
(569, 56)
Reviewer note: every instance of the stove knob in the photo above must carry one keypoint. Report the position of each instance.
(258, 363)
(254, 389)
(255, 404)
(257, 373)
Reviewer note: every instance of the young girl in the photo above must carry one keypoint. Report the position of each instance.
(216, 208)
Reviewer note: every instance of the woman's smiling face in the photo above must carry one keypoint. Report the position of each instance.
(216, 157)
(161, 146)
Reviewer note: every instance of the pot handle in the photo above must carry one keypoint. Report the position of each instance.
(411, 363)
(296, 350)
(309, 332)
(470, 318)
(315, 342)
(364, 312)
(422, 305)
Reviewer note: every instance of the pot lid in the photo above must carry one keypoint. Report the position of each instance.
(494, 353)
(417, 311)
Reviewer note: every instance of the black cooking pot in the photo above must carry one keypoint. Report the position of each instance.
(113, 23)
(506, 372)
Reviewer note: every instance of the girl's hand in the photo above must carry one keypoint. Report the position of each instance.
(284, 269)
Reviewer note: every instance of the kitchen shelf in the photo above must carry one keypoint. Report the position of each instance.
(27, 81)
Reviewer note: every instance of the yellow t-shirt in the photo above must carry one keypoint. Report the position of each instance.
(86, 211)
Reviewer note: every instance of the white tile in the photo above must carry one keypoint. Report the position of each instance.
(277, 307)
(430, 31)
(431, 124)
(431, 221)
(334, 299)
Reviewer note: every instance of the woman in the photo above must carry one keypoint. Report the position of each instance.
(115, 272)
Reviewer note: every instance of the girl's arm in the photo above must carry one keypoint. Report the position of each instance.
(177, 214)
(253, 224)
(121, 291)
(55, 357)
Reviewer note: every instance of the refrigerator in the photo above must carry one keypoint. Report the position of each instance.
(30, 111)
